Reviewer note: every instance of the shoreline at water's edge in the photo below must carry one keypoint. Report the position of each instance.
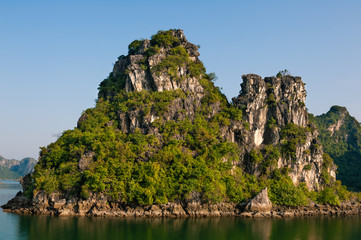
(14, 180)
(95, 206)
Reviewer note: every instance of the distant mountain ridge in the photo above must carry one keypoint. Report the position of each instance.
(340, 134)
(14, 169)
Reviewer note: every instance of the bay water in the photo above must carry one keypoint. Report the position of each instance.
(13, 226)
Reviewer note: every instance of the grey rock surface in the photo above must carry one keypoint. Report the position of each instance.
(260, 203)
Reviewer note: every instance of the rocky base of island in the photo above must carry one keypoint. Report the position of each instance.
(98, 205)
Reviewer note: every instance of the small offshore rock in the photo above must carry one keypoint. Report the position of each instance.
(260, 203)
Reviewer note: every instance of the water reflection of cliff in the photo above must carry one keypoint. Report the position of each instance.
(42, 227)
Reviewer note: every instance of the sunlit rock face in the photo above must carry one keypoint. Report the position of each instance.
(138, 67)
(271, 104)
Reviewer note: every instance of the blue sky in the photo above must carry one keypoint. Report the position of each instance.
(53, 55)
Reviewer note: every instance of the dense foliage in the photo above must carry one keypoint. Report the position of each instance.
(111, 86)
(340, 135)
(188, 156)
(179, 58)
(134, 46)
(284, 192)
(169, 158)
(164, 39)
(292, 135)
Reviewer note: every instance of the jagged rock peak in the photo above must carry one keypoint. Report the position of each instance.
(282, 99)
(275, 110)
(165, 62)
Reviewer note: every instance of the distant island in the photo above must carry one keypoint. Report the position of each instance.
(340, 135)
(11, 169)
(163, 140)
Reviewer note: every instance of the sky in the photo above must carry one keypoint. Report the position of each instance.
(54, 54)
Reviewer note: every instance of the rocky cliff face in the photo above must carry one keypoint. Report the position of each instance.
(276, 113)
(8, 163)
(142, 72)
(167, 62)
(158, 65)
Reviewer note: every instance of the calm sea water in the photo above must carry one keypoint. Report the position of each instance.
(13, 226)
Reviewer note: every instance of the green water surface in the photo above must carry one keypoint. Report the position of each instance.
(13, 226)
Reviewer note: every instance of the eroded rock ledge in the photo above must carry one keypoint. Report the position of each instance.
(99, 206)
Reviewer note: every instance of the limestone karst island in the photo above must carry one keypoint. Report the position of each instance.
(163, 140)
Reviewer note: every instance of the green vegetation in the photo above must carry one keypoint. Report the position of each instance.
(111, 86)
(283, 73)
(270, 157)
(14, 169)
(307, 167)
(284, 192)
(6, 173)
(147, 147)
(177, 58)
(186, 156)
(152, 51)
(255, 156)
(145, 102)
(343, 144)
(271, 99)
(134, 46)
(164, 39)
(326, 164)
(190, 156)
(271, 123)
(292, 135)
(328, 196)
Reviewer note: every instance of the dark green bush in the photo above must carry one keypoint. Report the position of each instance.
(134, 46)
(284, 192)
(152, 51)
(292, 135)
(255, 156)
(271, 123)
(271, 99)
(307, 167)
(328, 196)
(111, 86)
(326, 164)
(163, 39)
(270, 158)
